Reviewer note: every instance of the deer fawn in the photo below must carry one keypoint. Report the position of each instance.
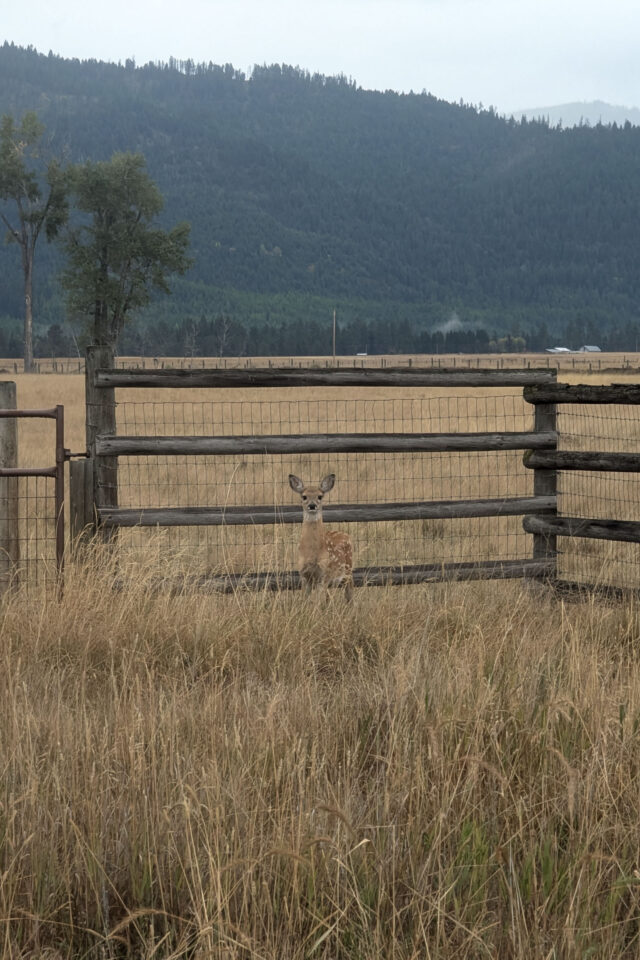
(325, 557)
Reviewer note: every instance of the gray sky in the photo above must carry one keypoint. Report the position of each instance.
(507, 53)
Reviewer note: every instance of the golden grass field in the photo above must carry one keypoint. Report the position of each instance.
(442, 771)
(566, 363)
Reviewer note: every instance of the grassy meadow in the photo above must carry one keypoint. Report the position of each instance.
(441, 771)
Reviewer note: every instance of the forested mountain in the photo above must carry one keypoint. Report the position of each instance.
(307, 193)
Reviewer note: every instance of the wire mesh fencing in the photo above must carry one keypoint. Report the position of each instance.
(363, 478)
(29, 556)
(31, 498)
(599, 495)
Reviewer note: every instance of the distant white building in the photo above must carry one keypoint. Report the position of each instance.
(558, 350)
(589, 348)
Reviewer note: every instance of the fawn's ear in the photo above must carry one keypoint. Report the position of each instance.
(296, 483)
(327, 482)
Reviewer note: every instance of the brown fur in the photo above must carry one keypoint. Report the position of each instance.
(325, 557)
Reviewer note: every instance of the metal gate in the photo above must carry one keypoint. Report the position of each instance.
(32, 531)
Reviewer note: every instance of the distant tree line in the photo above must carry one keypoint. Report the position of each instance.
(222, 336)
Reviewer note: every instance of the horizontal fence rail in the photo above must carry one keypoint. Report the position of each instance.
(109, 446)
(28, 471)
(49, 413)
(576, 460)
(336, 377)
(626, 531)
(375, 576)
(623, 393)
(333, 513)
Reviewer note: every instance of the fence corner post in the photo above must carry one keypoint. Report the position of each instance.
(9, 524)
(545, 484)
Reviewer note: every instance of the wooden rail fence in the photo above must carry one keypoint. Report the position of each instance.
(95, 500)
(545, 395)
(95, 496)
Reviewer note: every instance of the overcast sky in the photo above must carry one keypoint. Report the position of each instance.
(506, 53)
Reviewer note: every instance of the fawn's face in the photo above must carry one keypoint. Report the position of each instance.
(312, 497)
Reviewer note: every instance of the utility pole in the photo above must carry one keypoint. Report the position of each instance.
(334, 336)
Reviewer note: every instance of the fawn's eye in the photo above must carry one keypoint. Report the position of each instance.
(320, 496)
(304, 496)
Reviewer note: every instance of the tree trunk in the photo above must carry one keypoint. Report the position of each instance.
(27, 255)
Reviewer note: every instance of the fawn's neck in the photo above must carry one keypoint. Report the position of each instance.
(312, 530)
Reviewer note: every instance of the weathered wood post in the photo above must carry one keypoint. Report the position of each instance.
(9, 528)
(100, 421)
(82, 518)
(545, 483)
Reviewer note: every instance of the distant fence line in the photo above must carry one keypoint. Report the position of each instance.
(587, 362)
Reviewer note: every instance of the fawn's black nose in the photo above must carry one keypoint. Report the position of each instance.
(312, 506)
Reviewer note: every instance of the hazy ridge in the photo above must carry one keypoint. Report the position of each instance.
(307, 193)
(580, 113)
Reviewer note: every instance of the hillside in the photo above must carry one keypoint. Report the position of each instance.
(308, 192)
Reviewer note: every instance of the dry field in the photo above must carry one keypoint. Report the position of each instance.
(443, 771)
(566, 363)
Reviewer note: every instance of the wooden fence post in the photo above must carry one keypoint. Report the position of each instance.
(82, 518)
(9, 529)
(545, 484)
(100, 420)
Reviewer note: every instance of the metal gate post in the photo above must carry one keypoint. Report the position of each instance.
(9, 532)
(59, 493)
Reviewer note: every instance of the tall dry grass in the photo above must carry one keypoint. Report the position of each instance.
(438, 771)
(441, 771)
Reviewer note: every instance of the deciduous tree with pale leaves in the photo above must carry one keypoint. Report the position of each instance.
(34, 192)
